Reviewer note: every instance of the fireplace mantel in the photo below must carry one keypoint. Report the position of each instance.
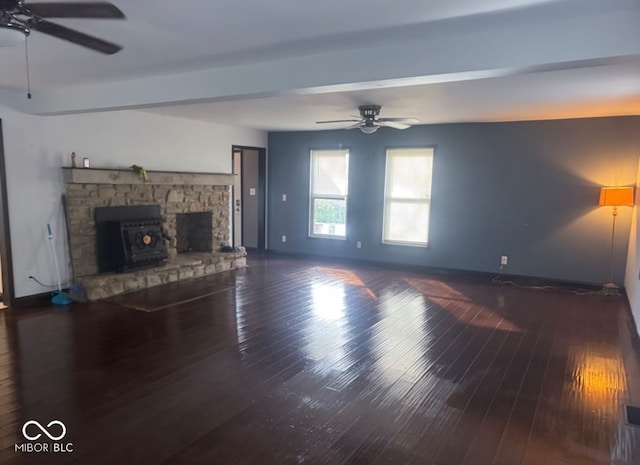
(114, 176)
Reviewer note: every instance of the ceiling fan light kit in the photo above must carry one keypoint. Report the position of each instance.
(18, 19)
(370, 120)
(368, 129)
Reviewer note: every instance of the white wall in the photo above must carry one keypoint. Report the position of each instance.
(36, 147)
(632, 275)
(120, 139)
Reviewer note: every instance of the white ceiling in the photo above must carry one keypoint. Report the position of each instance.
(283, 64)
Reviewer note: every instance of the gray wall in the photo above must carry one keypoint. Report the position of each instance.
(528, 190)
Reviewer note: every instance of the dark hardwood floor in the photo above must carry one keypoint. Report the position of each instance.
(294, 361)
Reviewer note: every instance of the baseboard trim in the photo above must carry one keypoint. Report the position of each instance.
(30, 301)
(484, 276)
(255, 251)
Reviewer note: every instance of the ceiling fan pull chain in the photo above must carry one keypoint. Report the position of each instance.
(26, 58)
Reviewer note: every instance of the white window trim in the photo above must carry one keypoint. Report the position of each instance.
(312, 197)
(388, 199)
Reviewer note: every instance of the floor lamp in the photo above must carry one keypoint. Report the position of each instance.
(614, 197)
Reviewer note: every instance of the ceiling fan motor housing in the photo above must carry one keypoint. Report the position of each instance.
(370, 112)
(9, 5)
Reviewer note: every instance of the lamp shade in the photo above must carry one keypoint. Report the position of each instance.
(616, 196)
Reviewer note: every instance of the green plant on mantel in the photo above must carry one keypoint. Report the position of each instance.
(140, 171)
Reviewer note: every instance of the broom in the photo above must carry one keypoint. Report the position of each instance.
(58, 298)
(76, 292)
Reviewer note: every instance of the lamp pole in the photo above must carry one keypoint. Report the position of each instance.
(610, 288)
(613, 238)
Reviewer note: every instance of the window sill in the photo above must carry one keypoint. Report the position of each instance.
(420, 245)
(326, 236)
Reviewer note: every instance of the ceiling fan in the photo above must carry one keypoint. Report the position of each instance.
(18, 19)
(369, 120)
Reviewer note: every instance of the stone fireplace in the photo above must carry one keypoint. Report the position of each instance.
(194, 210)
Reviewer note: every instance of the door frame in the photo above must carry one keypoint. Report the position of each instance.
(6, 261)
(262, 194)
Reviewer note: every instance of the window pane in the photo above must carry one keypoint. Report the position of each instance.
(410, 174)
(407, 195)
(329, 217)
(407, 222)
(329, 172)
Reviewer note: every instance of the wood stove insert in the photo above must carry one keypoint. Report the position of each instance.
(129, 238)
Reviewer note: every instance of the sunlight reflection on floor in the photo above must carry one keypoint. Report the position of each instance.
(441, 293)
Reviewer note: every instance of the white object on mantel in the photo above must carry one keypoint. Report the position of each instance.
(112, 176)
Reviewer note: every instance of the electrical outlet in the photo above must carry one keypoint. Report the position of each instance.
(504, 260)
(284, 238)
(359, 244)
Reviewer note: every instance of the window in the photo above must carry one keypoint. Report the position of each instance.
(328, 206)
(407, 196)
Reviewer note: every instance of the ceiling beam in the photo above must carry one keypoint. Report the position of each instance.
(484, 47)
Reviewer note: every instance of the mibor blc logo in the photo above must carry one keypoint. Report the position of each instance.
(37, 436)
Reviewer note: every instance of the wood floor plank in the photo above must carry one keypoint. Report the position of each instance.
(470, 387)
(516, 433)
(302, 361)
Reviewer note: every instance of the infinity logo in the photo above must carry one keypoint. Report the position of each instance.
(51, 423)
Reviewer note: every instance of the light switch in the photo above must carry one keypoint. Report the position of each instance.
(284, 197)
(252, 191)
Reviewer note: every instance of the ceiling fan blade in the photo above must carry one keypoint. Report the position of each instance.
(100, 10)
(393, 124)
(357, 125)
(339, 121)
(401, 120)
(76, 37)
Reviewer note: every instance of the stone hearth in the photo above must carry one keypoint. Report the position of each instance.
(184, 266)
(175, 193)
